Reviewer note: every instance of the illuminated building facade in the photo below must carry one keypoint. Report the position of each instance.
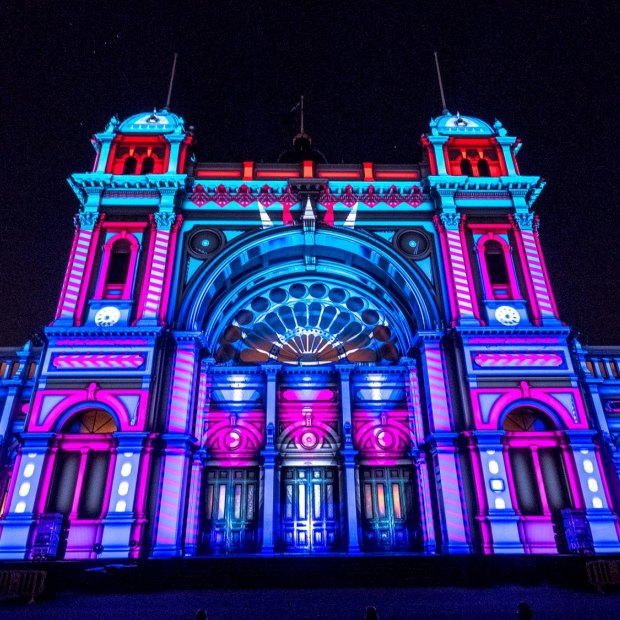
(303, 357)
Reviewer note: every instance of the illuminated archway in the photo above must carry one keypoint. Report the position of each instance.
(347, 297)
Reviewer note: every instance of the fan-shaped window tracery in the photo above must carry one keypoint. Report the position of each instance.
(311, 323)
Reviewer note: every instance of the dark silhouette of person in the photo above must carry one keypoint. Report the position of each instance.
(524, 612)
(371, 613)
(201, 614)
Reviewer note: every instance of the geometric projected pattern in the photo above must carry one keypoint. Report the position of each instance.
(312, 359)
(315, 324)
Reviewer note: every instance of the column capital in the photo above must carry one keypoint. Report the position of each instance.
(345, 369)
(271, 370)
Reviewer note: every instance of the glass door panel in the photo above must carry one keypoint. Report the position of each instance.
(391, 515)
(310, 511)
(230, 518)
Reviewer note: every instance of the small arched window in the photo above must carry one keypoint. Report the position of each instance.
(118, 267)
(496, 268)
(120, 255)
(466, 167)
(130, 165)
(483, 168)
(527, 419)
(90, 422)
(148, 164)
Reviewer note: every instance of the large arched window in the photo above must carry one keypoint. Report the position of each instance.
(117, 267)
(536, 460)
(80, 471)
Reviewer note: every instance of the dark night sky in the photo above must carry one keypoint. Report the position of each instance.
(547, 70)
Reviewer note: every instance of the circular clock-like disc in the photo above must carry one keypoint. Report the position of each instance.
(507, 315)
(107, 317)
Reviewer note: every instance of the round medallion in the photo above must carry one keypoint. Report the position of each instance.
(507, 315)
(414, 244)
(107, 317)
(309, 440)
(384, 439)
(204, 242)
(233, 440)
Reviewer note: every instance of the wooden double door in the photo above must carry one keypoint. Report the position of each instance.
(309, 509)
(230, 503)
(390, 509)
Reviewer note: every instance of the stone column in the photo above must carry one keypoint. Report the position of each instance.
(350, 456)
(172, 498)
(269, 455)
(426, 503)
(122, 509)
(450, 498)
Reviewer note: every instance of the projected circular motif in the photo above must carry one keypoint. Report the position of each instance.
(414, 244)
(107, 317)
(308, 323)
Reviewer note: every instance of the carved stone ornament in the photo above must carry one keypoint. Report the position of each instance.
(524, 220)
(87, 219)
(450, 219)
(165, 219)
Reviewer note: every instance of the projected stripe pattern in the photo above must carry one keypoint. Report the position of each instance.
(156, 275)
(538, 276)
(459, 271)
(75, 275)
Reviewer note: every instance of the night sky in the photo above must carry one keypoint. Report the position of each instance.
(547, 70)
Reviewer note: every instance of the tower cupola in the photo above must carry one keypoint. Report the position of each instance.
(467, 146)
(147, 143)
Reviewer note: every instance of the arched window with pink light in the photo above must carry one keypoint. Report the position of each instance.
(497, 269)
(118, 264)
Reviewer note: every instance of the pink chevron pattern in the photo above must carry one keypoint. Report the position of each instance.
(538, 276)
(533, 360)
(75, 275)
(181, 391)
(157, 275)
(110, 361)
(436, 383)
(461, 283)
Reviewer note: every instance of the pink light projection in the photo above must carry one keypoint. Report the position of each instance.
(98, 361)
(235, 439)
(499, 360)
(565, 403)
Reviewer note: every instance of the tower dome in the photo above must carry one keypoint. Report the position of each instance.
(157, 121)
(457, 125)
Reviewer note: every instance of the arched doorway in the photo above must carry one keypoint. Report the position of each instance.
(80, 478)
(258, 305)
(537, 469)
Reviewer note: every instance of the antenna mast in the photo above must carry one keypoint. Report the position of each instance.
(174, 66)
(443, 97)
